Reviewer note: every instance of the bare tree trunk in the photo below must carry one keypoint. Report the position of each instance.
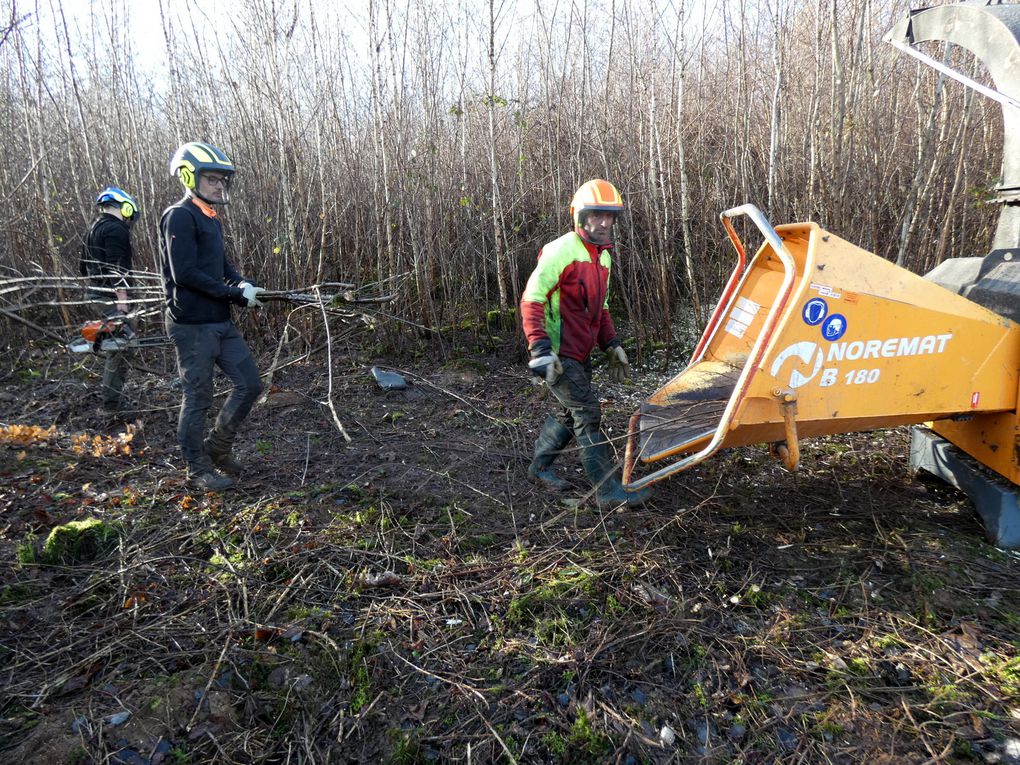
(777, 62)
(837, 119)
(814, 122)
(44, 201)
(77, 101)
(498, 243)
(949, 218)
(656, 179)
(908, 222)
(681, 147)
(385, 255)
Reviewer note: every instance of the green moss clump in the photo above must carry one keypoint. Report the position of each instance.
(25, 553)
(587, 744)
(80, 541)
(498, 319)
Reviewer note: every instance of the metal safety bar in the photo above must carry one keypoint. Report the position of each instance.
(747, 373)
(948, 71)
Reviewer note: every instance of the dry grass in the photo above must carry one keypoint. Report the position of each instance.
(841, 614)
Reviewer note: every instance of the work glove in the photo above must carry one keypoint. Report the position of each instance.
(251, 293)
(547, 367)
(619, 364)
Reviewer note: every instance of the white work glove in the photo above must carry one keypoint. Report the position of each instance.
(547, 367)
(619, 364)
(251, 293)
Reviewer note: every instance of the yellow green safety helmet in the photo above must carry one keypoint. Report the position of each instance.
(193, 159)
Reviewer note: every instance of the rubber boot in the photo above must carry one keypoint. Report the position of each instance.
(551, 441)
(204, 477)
(209, 480)
(600, 467)
(220, 448)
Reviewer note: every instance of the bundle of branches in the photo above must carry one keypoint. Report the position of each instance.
(356, 307)
(24, 299)
(348, 294)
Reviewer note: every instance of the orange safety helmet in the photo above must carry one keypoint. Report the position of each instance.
(596, 194)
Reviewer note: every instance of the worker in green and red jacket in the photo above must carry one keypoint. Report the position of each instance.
(565, 313)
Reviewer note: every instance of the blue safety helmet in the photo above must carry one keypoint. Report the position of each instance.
(111, 195)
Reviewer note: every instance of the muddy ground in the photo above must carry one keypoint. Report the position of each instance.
(410, 597)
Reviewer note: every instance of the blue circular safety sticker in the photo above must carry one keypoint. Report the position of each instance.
(814, 311)
(834, 327)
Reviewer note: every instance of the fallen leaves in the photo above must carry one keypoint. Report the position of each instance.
(27, 435)
(95, 445)
(965, 646)
(267, 633)
(135, 599)
(103, 446)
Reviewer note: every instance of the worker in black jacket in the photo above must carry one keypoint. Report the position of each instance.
(201, 284)
(106, 260)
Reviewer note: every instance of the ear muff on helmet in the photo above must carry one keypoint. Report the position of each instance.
(187, 176)
(127, 210)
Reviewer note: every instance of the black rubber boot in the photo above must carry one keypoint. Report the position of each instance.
(220, 451)
(209, 480)
(600, 467)
(551, 441)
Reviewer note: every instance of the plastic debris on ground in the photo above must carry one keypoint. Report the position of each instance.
(388, 380)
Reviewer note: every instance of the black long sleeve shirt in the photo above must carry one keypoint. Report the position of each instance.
(200, 281)
(107, 256)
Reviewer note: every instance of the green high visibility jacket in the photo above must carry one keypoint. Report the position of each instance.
(565, 304)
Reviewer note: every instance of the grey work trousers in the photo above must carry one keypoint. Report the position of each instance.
(580, 410)
(200, 348)
(115, 368)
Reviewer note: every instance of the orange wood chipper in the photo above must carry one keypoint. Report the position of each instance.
(815, 336)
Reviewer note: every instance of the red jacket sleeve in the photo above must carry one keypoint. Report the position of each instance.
(607, 332)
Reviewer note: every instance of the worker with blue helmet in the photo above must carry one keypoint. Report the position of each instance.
(107, 261)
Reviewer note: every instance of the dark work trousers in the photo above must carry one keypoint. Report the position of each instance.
(115, 368)
(200, 348)
(581, 412)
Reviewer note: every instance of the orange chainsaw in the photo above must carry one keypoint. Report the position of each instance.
(111, 334)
